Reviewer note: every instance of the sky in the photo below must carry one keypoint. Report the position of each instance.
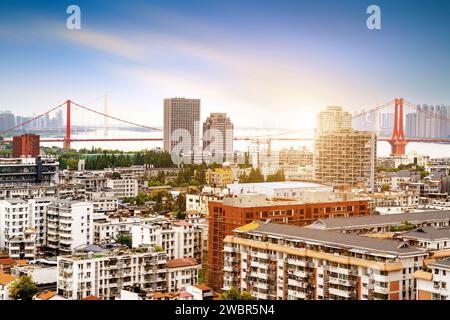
(265, 63)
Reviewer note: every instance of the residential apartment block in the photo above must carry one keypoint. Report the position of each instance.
(182, 125)
(70, 224)
(219, 177)
(179, 239)
(123, 188)
(434, 284)
(104, 273)
(218, 139)
(345, 157)
(384, 223)
(230, 213)
(333, 119)
(284, 262)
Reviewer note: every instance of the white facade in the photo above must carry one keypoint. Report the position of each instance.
(16, 235)
(178, 240)
(182, 273)
(69, 225)
(105, 274)
(6, 281)
(41, 274)
(103, 201)
(294, 190)
(123, 188)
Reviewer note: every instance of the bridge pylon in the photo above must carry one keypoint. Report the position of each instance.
(398, 141)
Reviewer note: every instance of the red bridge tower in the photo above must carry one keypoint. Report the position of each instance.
(398, 141)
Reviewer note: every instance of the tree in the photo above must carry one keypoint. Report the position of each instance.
(158, 248)
(116, 176)
(277, 177)
(23, 288)
(180, 203)
(234, 294)
(125, 240)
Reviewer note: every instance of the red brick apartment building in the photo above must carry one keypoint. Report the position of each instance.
(230, 213)
(26, 145)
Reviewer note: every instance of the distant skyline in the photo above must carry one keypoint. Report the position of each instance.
(264, 63)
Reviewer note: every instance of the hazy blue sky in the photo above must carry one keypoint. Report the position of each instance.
(266, 63)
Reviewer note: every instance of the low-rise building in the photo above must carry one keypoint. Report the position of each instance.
(181, 273)
(124, 187)
(219, 177)
(429, 238)
(200, 292)
(6, 280)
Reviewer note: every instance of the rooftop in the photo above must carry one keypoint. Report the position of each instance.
(182, 262)
(444, 263)
(6, 278)
(332, 238)
(428, 233)
(46, 295)
(380, 220)
(279, 185)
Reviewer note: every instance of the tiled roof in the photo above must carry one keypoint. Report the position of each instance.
(376, 220)
(7, 261)
(46, 295)
(6, 278)
(182, 262)
(91, 298)
(428, 233)
(334, 238)
(203, 287)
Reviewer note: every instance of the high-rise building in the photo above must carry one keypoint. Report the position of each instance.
(7, 120)
(182, 126)
(346, 156)
(218, 138)
(332, 119)
(411, 119)
(26, 145)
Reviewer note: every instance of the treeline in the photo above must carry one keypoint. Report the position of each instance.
(98, 159)
(255, 175)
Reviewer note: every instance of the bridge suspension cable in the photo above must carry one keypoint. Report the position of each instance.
(373, 109)
(32, 119)
(115, 118)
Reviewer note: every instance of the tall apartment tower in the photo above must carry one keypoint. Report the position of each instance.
(332, 119)
(182, 125)
(26, 145)
(345, 156)
(218, 138)
(341, 154)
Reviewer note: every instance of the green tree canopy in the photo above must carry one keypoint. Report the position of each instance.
(23, 288)
(235, 294)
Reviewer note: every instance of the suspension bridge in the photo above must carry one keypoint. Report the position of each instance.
(397, 140)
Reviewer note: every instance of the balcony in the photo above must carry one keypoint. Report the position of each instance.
(296, 262)
(297, 294)
(379, 289)
(340, 293)
(260, 285)
(260, 255)
(301, 274)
